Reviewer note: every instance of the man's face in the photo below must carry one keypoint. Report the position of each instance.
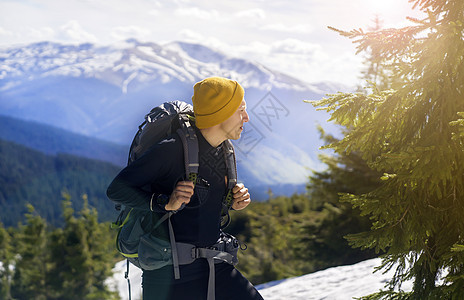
(233, 126)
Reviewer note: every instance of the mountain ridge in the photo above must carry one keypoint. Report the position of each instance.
(53, 140)
(55, 59)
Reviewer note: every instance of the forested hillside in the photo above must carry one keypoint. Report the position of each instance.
(29, 176)
(52, 140)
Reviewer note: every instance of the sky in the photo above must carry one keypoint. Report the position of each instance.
(287, 36)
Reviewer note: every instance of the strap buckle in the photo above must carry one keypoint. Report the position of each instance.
(195, 253)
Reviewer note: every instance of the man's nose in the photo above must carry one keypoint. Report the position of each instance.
(246, 117)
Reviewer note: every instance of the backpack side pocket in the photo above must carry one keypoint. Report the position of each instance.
(154, 253)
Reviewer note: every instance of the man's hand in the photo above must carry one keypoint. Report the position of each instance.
(181, 194)
(241, 197)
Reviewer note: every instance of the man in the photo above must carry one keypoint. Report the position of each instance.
(220, 113)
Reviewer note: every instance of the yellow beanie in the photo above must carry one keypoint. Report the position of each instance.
(215, 99)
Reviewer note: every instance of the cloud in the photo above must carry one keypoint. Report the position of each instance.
(37, 34)
(156, 3)
(156, 8)
(181, 2)
(254, 13)
(192, 36)
(195, 12)
(74, 32)
(154, 12)
(312, 63)
(307, 61)
(294, 46)
(29, 34)
(4, 32)
(288, 29)
(126, 32)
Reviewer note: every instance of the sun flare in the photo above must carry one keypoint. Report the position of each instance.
(386, 7)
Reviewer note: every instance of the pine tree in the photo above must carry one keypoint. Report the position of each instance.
(29, 280)
(376, 71)
(326, 244)
(6, 260)
(413, 134)
(272, 230)
(72, 264)
(102, 252)
(83, 255)
(345, 173)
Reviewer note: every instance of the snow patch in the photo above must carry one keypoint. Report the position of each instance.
(338, 283)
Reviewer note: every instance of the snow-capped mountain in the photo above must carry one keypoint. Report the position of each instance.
(136, 63)
(104, 92)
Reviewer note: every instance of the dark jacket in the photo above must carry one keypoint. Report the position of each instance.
(158, 171)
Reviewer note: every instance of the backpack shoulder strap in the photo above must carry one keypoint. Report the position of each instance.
(231, 164)
(189, 140)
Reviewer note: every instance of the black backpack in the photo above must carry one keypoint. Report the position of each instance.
(141, 238)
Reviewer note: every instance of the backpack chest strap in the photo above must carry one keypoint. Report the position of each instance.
(188, 253)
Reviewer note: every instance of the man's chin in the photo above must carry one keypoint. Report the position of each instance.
(236, 136)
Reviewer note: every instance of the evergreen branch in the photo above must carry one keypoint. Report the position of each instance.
(402, 218)
(457, 248)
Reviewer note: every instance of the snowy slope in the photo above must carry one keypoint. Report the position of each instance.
(338, 283)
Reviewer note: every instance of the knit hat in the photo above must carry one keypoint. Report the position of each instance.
(215, 99)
